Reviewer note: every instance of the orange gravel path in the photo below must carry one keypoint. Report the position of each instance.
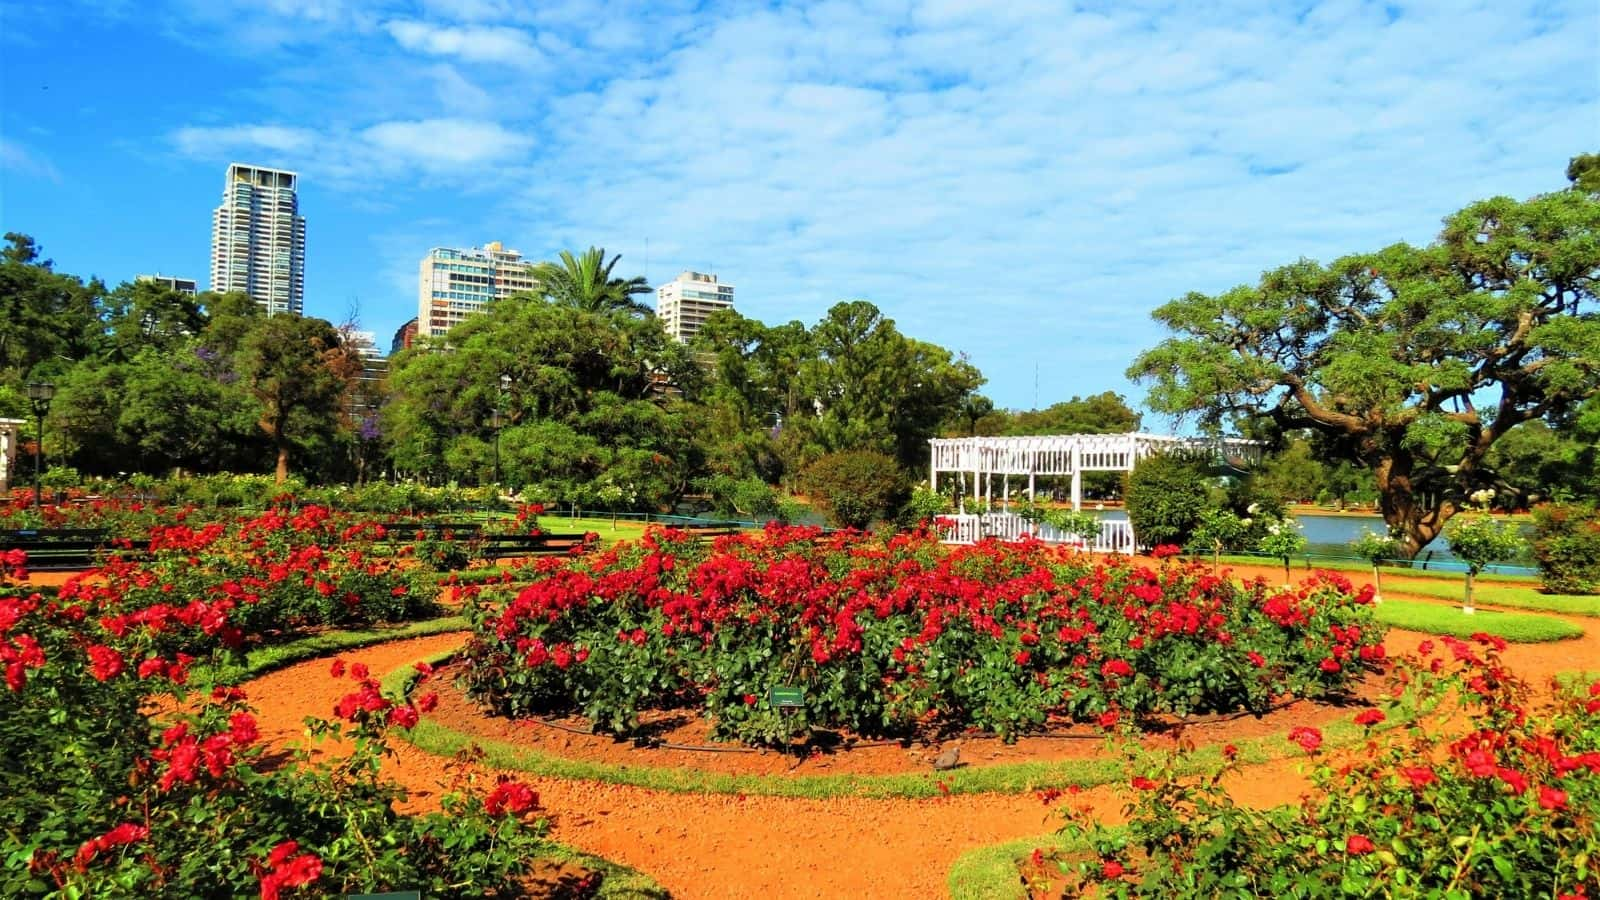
(770, 847)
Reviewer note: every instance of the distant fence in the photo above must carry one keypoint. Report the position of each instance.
(1116, 535)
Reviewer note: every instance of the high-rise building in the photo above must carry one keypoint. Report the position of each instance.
(258, 239)
(455, 284)
(404, 336)
(685, 302)
(171, 283)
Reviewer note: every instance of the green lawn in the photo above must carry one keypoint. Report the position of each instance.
(1493, 593)
(1433, 618)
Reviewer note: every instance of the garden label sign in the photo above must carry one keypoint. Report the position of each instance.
(786, 697)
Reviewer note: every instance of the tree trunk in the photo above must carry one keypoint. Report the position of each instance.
(1377, 582)
(283, 463)
(1466, 606)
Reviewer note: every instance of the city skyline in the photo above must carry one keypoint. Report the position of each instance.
(1021, 185)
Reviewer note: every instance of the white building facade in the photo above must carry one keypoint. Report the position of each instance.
(454, 284)
(685, 303)
(258, 239)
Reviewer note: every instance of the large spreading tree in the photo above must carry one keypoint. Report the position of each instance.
(1412, 361)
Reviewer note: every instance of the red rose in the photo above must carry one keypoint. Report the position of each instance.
(1111, 869)
(104, 662)
(404, 716)
(1419, 776)
(1369, 717)
(1022, 657)
(1552, 798)
(1309, 739)
(1255, 658)
(510, 797)
(1358, 844)
(1116, 668)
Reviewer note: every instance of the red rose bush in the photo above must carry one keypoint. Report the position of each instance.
(1481, 792)
(889, 634)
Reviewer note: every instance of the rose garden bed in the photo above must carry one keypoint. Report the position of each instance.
(902, 637)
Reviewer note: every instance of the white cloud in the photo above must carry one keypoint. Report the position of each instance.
(213, 141)
(478, 44)
(445, 143)
(443, 148)
(20, 160)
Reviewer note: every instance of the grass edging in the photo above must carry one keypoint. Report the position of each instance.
(1433, 618)
(990, 872)
(618, 882)
(1011, 778)
(262, 660)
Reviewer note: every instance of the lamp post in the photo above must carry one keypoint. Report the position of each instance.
(40, 393)
(505, 386)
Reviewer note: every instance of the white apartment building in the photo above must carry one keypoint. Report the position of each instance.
(171, 283)
(684, 303)
(258, 239)
(454, 284)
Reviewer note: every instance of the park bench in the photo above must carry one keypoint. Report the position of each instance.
(505, 546)
(59, 549)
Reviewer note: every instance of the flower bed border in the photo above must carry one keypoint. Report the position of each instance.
(430, 736)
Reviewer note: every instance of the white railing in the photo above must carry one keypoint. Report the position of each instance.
(1116, 535)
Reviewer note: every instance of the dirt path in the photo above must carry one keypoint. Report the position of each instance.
(769, 847)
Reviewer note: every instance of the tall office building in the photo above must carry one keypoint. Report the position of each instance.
(685, 302)
(171, 283)
(258, 239)
(454, 284)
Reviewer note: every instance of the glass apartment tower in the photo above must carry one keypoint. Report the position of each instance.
(258, 239)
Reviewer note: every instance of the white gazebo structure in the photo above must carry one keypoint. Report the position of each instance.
(987, 459)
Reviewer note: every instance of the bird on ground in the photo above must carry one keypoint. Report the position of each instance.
(949, 759)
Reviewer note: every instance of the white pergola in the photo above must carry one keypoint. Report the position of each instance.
(1065, 454)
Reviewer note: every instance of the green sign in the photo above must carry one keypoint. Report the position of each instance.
(392, 895)
(787, 697)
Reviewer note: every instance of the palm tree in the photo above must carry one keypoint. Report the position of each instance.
(584, 282)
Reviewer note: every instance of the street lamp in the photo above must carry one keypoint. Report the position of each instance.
(505, 386)
(40, 393)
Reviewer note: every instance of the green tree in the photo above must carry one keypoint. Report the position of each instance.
(48, 320)
(584, 282)
(869, 387)
(1103, 413)
(1293, 475)
(589, 416)
(1411, 361)
(294, 368)
(146, 315)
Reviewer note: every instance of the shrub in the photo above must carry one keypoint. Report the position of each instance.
(855, 488)
(888, 634)
(101, 800)
(925, 504)
(1566, 545)
(1166, 495)
(1479, 540)
(1506, 809)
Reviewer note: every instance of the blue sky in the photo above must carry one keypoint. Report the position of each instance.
(1022, 182)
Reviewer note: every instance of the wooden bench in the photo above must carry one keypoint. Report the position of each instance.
(506, 546)
(61, 549)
